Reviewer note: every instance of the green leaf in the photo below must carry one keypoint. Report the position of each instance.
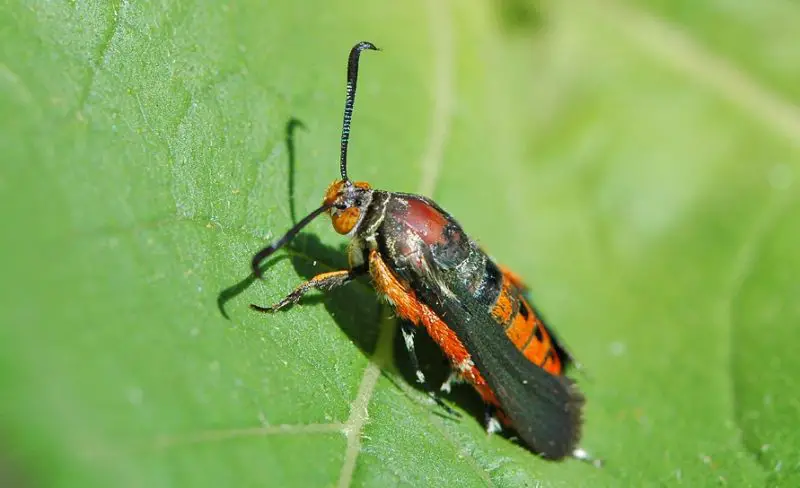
(637, 163)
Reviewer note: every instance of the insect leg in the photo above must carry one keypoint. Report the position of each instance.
(408, 338)
(455, 378)
(581, 455)
(323, 281)
(493, 425)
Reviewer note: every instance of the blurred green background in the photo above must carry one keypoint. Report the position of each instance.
(636, 162)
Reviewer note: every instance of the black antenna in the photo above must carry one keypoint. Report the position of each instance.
(352, 79)
(267, 251)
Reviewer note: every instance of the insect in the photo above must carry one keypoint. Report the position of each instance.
(436, 277)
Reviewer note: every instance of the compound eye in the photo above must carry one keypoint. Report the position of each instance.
(346, 220)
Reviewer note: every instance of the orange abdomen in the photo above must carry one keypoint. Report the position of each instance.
(524, 327)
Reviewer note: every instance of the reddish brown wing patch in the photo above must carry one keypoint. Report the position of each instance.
(425, 221)
(407, 306)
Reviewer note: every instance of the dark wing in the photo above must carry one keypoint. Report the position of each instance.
(544, 409)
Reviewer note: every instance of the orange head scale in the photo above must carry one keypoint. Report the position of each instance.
(344, 200)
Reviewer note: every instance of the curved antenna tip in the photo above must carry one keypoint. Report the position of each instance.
(350, 100)
(366, 45)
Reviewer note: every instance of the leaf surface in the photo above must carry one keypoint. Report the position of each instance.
(637, 163)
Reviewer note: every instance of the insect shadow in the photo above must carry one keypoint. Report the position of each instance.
(355, 307)
(355, 312)
(236, 289)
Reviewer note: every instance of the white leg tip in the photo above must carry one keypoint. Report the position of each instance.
(451, 380)
(582, 455)
(493, 426)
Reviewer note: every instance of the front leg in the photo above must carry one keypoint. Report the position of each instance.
(323, 282)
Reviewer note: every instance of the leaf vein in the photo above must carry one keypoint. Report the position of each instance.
(103, 51)
(431, 162)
